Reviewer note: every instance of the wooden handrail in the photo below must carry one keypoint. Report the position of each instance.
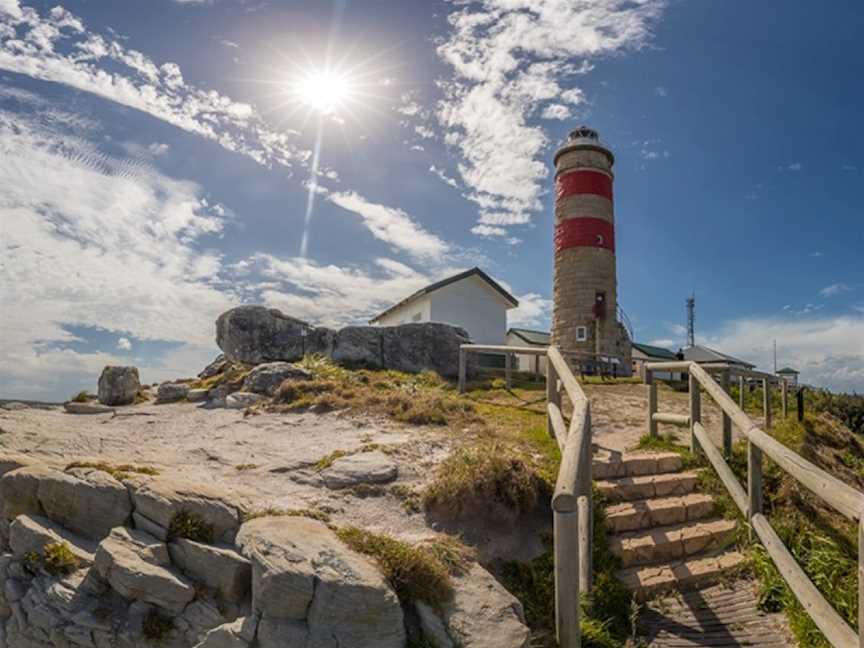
(565, 375)
(838, 495)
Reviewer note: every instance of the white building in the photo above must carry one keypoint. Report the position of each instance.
(470, 299)
(520, 337)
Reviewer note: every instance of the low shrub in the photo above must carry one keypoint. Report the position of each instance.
(59, 559)
(415, 571)
(485, 473)
(82, 397)
(189, 525)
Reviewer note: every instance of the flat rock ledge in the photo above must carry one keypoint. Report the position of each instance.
(364, 468)
(90, 562)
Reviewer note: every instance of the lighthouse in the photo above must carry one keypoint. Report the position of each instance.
(585, 317)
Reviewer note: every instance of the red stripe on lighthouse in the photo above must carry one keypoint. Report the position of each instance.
(584, 232)
(583, 182)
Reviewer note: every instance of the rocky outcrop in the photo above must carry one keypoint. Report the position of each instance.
(311, 589)
(364, 468)
(255, 334)
(481, 614)
(87, 408)
(219, 364)
(197, 395)
(170, 392)
(242, 400)
(266, 378)
(219, 567)
(118, 385)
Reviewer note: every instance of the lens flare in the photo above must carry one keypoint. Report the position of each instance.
(324, 91)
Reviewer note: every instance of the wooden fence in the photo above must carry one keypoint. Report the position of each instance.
(572, 501)
(846, 500)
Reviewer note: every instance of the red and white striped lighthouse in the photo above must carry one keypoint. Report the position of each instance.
(585, 310)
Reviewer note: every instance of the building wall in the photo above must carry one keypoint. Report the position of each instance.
(474, 306)
(419, 310)
(525, 362)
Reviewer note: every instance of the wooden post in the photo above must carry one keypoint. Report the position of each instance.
(727, 422)
(784, 397)
(861, 582)
(537, 368)
(766, 402)
(741, 392)
(652, 402)
(508, 370)
(567, 579)
(552, 394)
(695, 411)
(754, 481)
(463, 367)
(800, 398)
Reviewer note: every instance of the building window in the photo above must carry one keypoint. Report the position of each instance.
(416, 317)
(581, 333)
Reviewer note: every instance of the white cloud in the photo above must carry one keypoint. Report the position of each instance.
(828, 351)
(488, 230)
(557, 111)
(509, 60)
(533, 310)
(442, 175)
(667, 343)
(124, 344)
(660, 91)
(392, 225)
(158, 148)
(816, 254)
(503, 218)
(835, 289)
(57, 47)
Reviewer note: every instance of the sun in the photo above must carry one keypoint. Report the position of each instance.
(324, 91)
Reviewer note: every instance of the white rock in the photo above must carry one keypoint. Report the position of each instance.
(364, 468)
(242, 400)
(221, 568)
(238, 634)
(31, 533)
(87, 408)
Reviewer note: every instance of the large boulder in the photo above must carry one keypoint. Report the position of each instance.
(310, 589)
(359, 346)
(255, 334)
(118, 385)
(170, 392)
(137, 567)
(427, 346)
(481, 614)
(266, 378)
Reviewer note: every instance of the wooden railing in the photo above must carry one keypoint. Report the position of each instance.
(846, 500)
(572, 501)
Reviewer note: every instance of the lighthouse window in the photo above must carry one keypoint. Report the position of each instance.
(599, 239)
(581, 333)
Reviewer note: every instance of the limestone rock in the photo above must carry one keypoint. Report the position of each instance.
(91, 503)
(118, 385)
(266, 378)
(136, 566)
(14, 406)
(301, 571)
(19, 490)
(87, 408)
(143, 523)
(160, 499)
(481, 614)
(242, 400)
(359, 346)
(170, 392)
(219, 364)
(364, 468)
(237, 634)
(31, 533)
(221, 568)
(197, 395)
(427, 346)
(255, 334)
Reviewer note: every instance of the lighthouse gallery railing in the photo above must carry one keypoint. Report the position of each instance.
(572, 502)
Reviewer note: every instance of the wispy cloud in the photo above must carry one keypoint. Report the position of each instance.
(513, 60)
(835, 289)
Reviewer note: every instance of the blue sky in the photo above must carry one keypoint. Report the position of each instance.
(157, 160)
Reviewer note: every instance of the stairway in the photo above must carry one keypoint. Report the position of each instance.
(667, 536)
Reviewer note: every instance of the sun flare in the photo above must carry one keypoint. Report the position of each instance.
(324, 91)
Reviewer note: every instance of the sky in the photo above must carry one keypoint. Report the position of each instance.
(162, 161)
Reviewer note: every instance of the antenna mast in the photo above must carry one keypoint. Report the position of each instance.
(691, 320)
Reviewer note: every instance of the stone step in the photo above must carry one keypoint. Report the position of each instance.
(662, 544)
(648, 580)
(609, 465)
(626, 489)
(649, 513)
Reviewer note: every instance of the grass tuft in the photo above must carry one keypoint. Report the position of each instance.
(82, 397)
(277, 512)
(118, 472)
(487, 472)
(59, 559)
(417, 572)
(189, 525)
(667, 443)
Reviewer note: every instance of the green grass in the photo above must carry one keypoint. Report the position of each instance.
(189, 525)
(417, 572)
(667, 443)
(117, 471)
(59, 559)
(280, 512)
(82, 397)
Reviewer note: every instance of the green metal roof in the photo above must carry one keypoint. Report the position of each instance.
(532, 337)
(655, 351)
(787, 370)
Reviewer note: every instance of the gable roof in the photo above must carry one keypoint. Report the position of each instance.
(788, 370)
(654, 351)
(446, 282)
(700, 353)
(538, 338)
